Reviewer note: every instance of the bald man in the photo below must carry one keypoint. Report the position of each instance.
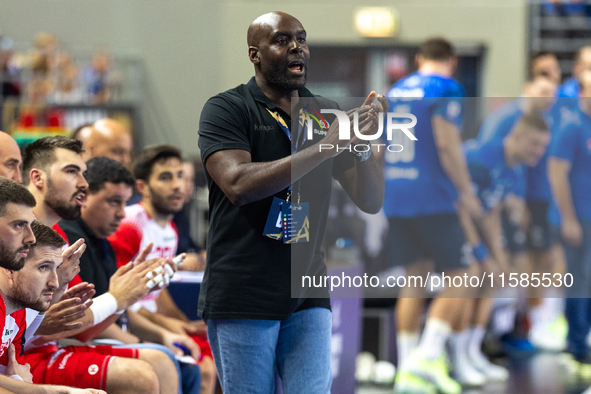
(254, 323)
(107, 138)
(10, 158)
(582, 63)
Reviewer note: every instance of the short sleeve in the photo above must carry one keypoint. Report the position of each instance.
(223, 125)
(450, 109)
(14, 333)
(56, 227)
(564, 145)
(126, 242)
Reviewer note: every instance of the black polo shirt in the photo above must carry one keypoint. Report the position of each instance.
(98, 262)
(249, 275)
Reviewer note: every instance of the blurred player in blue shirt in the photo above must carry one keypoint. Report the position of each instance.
(496, 168)
(534, 193)
(570, 176)
(423, 183)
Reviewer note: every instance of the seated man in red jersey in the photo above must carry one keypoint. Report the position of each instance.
(53, 170)
(33, 287)
(159, 179)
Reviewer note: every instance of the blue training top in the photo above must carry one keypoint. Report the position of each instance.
(416, 184)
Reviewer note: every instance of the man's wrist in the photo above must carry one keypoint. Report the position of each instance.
(103, 306)
(363, 156)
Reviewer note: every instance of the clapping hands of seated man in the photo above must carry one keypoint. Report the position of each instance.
(127, 286)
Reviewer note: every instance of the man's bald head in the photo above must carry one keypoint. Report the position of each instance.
(582, 61)
(278, 49)
(265, 24)
(10, 158)
(585, 84)
(109, 138)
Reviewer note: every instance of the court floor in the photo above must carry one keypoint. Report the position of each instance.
(539, 374)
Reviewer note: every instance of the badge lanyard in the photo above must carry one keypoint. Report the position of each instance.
(288, 221)
(294, 144)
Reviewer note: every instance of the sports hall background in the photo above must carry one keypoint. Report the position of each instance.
(166, 58)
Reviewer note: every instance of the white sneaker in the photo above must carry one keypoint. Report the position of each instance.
(365, 367)
(433, 371)
(544, 339)
(384, 373)
(488, 369)
(467, 375)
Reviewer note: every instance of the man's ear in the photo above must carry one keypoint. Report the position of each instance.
(253, 55)
(142, 187)
(8, 273)
(419, 59)
(37, 177)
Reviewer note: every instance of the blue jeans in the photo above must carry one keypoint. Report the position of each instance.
(247, 353)
(189, 374)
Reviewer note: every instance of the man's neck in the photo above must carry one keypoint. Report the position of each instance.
(280, 97)
(45, 215)
(42, 212)
(435, 68)
(92, 231)
(161, 219)
(10, 308)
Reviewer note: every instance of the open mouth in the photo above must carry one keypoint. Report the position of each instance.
(177, 199)
(80, 198)
(296, 67)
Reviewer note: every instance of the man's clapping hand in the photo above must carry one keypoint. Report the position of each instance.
(128, 284)
(66, 314)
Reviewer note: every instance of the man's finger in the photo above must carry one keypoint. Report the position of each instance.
(66, 304)
(195, 352)
(384, 102)
(124, 269)
(73, 314)
(361, 111)
(370, 97)
(79, 289)
(143, 255)
(88, 296)
(72, 326)
(78, 253)
(11, 354)
(69, 251)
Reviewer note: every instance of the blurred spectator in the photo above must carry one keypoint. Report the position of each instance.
(570, 88)
(39, 86)
(98, 77)
(67, 88)
(195, 260)
(45, 43)
(82, 132)
(9, 86)
(545, 64)
(10, 158)
(108, 138)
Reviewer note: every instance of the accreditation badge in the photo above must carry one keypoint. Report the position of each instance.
(295, 222)
(273, 227)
